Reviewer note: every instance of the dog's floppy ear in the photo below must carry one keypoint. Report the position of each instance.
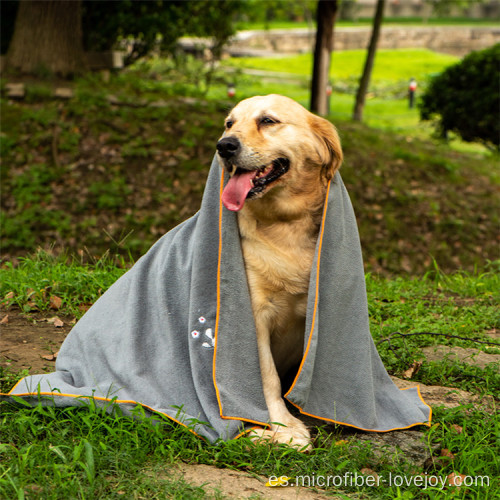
(329, 149)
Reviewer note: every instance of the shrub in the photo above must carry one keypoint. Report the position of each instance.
(465, 98)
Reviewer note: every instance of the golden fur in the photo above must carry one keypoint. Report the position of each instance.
(279, 229)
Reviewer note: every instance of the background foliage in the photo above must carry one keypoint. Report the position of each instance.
(124, 161)
(465, 98)
(156, 24)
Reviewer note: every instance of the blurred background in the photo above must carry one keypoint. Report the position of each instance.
(111, 111)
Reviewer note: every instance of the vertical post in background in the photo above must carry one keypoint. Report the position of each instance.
(325, 18)
(412, 87)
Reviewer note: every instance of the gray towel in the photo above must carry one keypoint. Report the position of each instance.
(176, 334)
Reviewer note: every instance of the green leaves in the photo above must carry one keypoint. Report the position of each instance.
(465, 99)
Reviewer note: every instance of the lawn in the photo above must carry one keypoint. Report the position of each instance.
(87, 452)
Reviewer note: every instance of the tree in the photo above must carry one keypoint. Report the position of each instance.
(465, 98)
(370, 59)
(8, 12)
(47, 37)
(48, 33)
(325, 15)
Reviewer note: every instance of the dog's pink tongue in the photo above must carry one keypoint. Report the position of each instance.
(236, 190)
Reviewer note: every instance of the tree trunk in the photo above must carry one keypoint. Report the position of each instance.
(325, 16)
(370, 59)
(47, 37)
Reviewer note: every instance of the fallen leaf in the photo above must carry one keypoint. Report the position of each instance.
(456, 479)
(457, 428)
(35, 489)
(414, 368)
(342, 442)
(9, 295)
(51, 357)
(369, 472)
(4, 320)
(55, 302)
(445, 453)
(57, 322)
(278, 481)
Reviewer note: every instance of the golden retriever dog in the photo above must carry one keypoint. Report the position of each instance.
(280, 158)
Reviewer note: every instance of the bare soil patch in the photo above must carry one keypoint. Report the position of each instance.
(31, 341)
(469, 355)
(237, 484)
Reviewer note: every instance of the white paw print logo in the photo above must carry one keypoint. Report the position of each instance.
(208, 333)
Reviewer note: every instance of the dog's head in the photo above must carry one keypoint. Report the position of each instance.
(272, 144)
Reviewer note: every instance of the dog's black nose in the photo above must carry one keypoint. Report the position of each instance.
(228, 147)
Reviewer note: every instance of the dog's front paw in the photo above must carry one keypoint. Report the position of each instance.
(290, 431)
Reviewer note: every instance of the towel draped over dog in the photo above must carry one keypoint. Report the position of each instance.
(176, 334)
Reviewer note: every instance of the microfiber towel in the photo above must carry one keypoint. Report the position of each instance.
(176, 334)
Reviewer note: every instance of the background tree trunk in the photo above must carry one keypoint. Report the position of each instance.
(325, 16)
(47, 37)
(370, 59)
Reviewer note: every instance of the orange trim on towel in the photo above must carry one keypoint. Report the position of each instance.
(243, 419)
(316, 290)
(247, 431)
(115, 401)
(219, 264)
(9, 393)
(427, 423)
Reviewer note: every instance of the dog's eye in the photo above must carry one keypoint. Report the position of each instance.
(267, 120)
(229, 124)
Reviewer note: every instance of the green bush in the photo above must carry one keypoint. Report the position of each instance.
(465, 98)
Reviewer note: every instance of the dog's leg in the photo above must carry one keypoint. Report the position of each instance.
(285, 428)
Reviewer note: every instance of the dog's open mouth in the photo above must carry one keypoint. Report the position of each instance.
(245, 184)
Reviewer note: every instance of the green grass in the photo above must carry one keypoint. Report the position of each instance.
(461, 306)
(87, 452)
(34, 280)
(390, 64)
(82, 453)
